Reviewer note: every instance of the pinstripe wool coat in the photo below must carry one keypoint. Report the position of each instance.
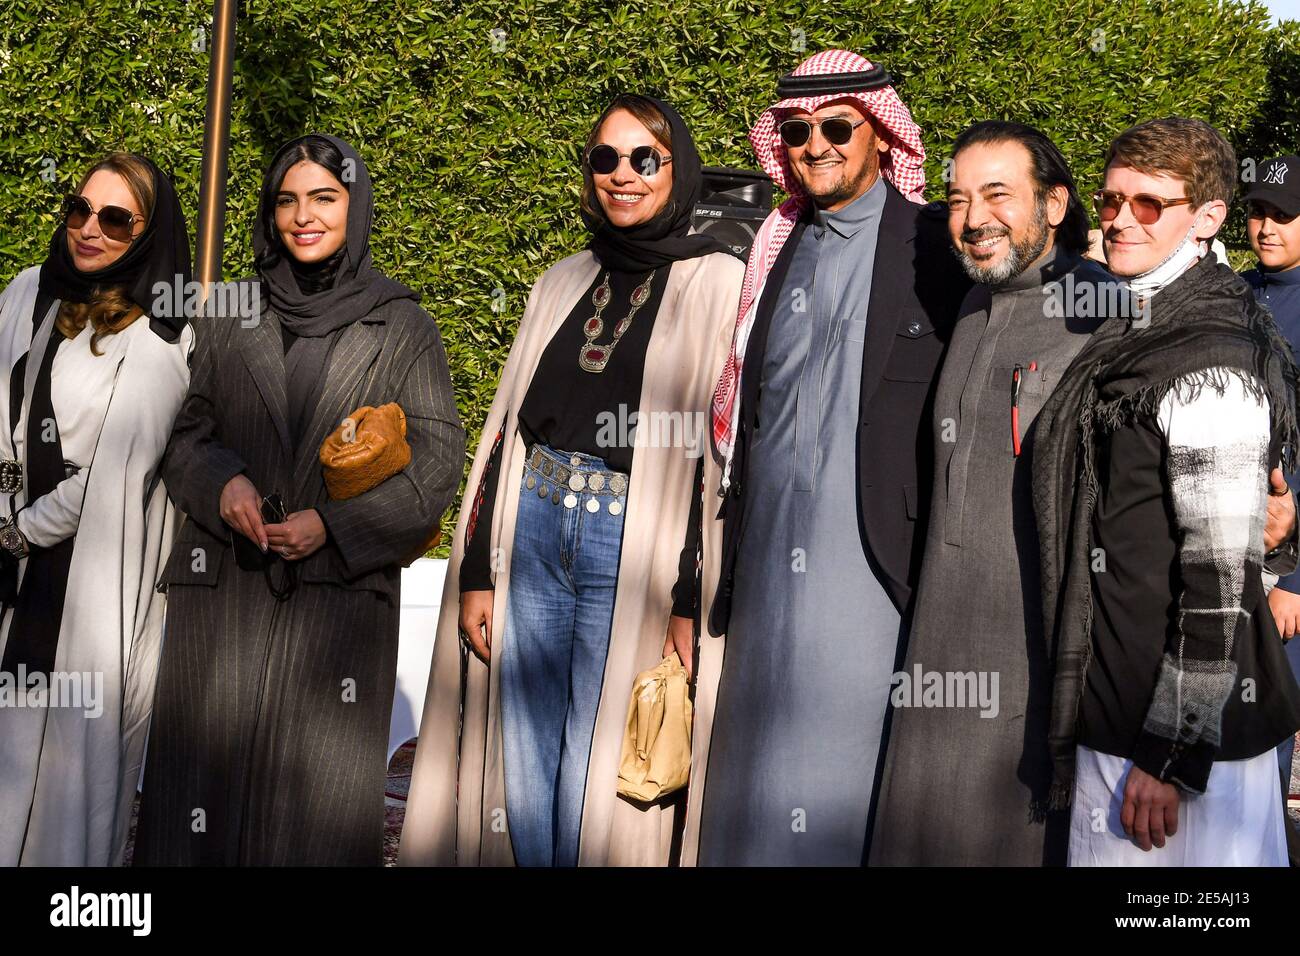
(271, 719)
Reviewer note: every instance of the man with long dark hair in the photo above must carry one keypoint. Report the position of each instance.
(967, 770)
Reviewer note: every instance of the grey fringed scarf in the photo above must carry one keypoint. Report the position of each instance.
(1205, 319)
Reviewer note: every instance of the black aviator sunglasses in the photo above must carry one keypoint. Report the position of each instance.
(838, 130)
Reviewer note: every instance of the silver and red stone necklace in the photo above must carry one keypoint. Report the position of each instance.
(593, 357)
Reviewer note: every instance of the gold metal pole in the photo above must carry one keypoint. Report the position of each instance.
(216, 145)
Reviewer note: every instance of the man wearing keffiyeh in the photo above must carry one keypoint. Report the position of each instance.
(821, 414)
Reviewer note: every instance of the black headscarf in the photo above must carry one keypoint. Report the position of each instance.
(358, 288)
(663, 239)
(315, 303)
(160, 254)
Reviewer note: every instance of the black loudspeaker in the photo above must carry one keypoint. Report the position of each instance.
(733, 205)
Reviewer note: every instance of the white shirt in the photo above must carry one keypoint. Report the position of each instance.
(81, 384)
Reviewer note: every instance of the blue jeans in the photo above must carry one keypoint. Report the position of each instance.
(559, 611)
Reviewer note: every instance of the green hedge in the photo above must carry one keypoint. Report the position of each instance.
(471, 115)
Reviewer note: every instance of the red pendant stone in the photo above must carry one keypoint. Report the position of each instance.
(595, 355)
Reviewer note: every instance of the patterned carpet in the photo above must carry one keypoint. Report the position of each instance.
(1293, 805)
(399, 783)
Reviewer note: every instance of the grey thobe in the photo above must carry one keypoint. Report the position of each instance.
(961, 789)
(813, 635)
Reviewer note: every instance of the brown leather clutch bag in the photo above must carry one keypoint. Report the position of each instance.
(367, 449)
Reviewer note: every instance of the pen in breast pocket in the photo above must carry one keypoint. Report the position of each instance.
(1017, 374)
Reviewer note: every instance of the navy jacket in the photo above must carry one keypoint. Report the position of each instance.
(1280, 291)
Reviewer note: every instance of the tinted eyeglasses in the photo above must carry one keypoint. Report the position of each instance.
(114, 221)
(646, 160)
(838, 130)
(1146, 207)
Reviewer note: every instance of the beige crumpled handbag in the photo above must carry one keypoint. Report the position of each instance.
(657, 745)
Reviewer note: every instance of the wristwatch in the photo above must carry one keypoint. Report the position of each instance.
(11, 539)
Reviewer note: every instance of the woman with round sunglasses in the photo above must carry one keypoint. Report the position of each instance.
(568, 574)
(92, 372)
(275, 691)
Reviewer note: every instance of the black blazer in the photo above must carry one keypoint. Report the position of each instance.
(917, 288)
(234, 420)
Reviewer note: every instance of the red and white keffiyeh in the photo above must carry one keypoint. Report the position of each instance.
(902, 165)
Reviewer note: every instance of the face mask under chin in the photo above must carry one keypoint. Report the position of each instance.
(1188, 251)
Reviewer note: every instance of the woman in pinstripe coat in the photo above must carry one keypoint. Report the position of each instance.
(272, 710)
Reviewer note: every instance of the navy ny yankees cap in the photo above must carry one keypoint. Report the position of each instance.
(1277, 181)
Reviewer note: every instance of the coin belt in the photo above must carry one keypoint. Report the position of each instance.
(562, 484)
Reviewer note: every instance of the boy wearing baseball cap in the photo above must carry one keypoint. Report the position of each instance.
(1273, 218)
(1273, 225)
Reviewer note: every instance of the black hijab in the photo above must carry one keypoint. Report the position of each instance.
(356, 288)
(315, 303)
(160, 254)
(664, 238)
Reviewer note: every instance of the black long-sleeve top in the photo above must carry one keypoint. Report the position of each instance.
(573, 410)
